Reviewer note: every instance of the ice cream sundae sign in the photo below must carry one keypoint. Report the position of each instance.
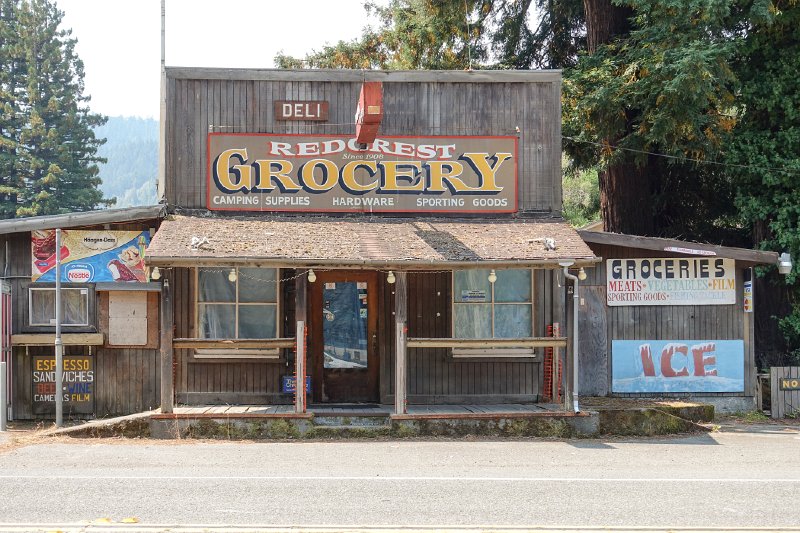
(90, 256)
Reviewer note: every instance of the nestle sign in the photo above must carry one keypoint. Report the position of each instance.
(439, 174)
(301, 110)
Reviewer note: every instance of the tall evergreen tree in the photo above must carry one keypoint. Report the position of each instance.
(55, 161)
(11, 75)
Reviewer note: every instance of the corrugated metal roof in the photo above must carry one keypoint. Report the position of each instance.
(313, 240)
(83, 218)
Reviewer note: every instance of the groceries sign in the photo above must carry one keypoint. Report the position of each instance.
(670, 281)
(252, 172)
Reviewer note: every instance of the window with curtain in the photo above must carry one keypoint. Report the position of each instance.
(42, 306)
(246, 308)
(500, 310)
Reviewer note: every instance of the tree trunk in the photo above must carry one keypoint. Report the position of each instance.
(626, 199)
(604, 21)
(626, 204)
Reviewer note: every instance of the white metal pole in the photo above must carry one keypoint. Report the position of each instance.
(3, 393)
(575, 344)
(162, 116)
(59, 392)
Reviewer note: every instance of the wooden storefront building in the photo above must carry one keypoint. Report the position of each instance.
(111, 313)
(425, 266)
(669, 318)
(388, 239)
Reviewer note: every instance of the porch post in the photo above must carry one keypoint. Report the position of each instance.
(300, 286)
(167, 353)
(400, 313)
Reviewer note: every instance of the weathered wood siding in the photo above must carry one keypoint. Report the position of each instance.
(197, 105)
(236, 381)
(433, 375)
(784, 403)
(126, 379)
(637, 322)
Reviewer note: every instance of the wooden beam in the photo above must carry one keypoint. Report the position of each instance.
(166, 349)
(301, 319)
(226, 261)
(401, 352)
(346, 75)
(180, 344)
(47, 339)
(532, 342)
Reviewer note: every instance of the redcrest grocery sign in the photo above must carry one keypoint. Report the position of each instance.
(265, 172)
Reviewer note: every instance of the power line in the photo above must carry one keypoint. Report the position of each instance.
(681, 158)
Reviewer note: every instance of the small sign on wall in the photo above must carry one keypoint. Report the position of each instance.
(670, 281)
(643, 366)
(316, 110)
(289, 384)
(77, 379)
(748, 296)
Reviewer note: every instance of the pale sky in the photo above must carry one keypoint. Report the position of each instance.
(119, 41)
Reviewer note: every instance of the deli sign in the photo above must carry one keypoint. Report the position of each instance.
(670, 281)
(266, 172)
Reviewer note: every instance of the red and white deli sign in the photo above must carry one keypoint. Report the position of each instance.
(266, 172)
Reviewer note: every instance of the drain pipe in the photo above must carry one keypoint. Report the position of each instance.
(575, 302)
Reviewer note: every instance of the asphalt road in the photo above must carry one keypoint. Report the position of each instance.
(724, 479)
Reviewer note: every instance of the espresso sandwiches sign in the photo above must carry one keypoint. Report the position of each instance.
(250, 172)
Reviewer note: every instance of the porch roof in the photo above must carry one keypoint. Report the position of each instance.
(364, 242)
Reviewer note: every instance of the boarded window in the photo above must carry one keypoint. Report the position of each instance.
(127, 318)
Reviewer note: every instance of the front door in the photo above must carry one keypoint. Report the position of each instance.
(343, 343)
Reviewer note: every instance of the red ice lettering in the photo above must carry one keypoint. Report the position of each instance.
(699, 352)
(667, 370)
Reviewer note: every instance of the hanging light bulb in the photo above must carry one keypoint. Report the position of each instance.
(581, 274)
(232, 275)
(492, 276)
(155, 274)
(311, 276)
(390, 278)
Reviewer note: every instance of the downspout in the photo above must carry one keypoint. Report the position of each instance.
(575, 302)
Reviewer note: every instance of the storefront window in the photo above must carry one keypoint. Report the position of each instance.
(243, 305)
(500, 310)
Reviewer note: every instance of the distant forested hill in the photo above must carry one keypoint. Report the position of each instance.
(132, 153)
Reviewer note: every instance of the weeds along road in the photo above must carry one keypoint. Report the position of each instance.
(747, 477)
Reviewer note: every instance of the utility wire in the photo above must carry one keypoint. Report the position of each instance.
(681, 158)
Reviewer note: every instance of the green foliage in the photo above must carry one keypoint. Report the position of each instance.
(413, 34)
(581, 196)
(49, 162)
(666, 87)
(131, 153)
(458, 34)
(767, 138)
(552, 42)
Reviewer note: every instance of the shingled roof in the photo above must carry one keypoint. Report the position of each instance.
(311, 240)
